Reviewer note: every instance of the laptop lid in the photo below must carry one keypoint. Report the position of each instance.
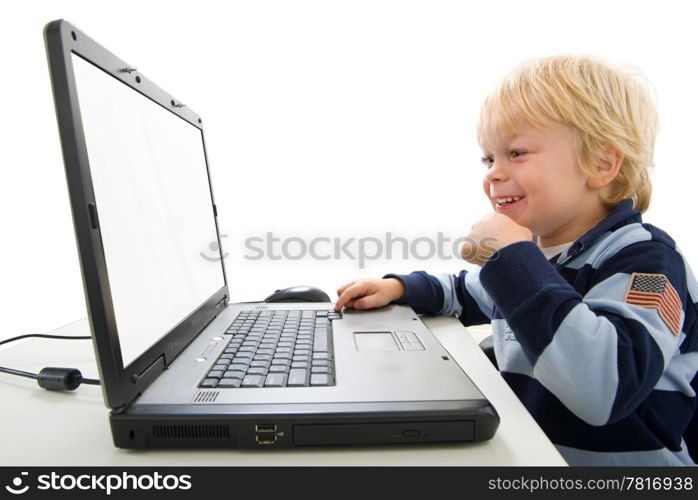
(143, 211)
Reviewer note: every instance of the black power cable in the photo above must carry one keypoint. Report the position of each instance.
(52, 378)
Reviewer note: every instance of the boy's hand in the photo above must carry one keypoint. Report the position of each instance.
(489, 234)
(369, 293)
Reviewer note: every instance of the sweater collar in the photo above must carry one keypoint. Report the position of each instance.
(621, 215)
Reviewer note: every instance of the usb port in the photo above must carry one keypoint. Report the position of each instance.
(265, 428)
(265, 440)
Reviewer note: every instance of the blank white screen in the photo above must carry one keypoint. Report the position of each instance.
(154, 205)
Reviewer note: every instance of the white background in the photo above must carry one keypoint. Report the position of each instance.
(322, 118)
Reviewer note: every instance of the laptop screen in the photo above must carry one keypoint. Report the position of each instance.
(154, 206)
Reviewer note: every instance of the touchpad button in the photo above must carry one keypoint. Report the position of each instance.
(375, 341)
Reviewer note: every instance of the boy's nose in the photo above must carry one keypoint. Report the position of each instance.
(496, 174)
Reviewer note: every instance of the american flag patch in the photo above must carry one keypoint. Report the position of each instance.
(655, 291)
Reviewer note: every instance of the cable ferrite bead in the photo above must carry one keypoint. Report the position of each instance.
(59, 379)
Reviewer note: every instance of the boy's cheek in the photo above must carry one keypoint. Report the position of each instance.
(486, 190)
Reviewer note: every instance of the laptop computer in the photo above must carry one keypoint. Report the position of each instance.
(180, 365)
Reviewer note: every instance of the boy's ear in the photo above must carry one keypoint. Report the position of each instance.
(607, 169)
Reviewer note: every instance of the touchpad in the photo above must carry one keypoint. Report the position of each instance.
(375, 341)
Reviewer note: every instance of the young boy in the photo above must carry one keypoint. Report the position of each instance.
(593, 311)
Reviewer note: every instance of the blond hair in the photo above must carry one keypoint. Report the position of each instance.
(604, 106)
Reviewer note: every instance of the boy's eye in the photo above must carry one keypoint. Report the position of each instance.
(488, 160)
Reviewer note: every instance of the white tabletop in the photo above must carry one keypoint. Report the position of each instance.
(39, 427)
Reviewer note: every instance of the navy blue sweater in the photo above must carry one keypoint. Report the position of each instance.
(600, 343)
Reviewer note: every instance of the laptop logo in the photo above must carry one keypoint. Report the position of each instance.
(17, 483)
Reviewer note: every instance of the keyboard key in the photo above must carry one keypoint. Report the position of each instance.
(215, 374)
(258, 370)
(320, 369)
(320, 379)
(210, 382)
(298, 377)
(321, 340)
(282, 362)
(276, 380)
(245, 361)
(279, 369)
(253, 381)
(230, 382)
(300, 364)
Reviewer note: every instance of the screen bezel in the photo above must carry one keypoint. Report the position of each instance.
(120, 384)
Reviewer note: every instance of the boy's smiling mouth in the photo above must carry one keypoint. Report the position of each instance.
(508, 205)
(504, 201)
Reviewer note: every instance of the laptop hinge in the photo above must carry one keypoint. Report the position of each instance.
(223, 301)
(218, 308)
(147, 376)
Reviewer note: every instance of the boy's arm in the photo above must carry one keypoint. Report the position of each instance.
(447, 294)
(603, 353)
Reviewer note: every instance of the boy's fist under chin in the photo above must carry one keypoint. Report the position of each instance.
(489, 234)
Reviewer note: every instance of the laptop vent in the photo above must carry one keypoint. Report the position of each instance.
(191, 431)
(260, 307)
(206, 397)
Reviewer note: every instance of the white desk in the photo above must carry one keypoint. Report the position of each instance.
(39, 427)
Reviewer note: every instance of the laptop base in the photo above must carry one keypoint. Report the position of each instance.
(288, 426)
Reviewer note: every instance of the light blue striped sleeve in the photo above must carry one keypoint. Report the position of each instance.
(446, 294)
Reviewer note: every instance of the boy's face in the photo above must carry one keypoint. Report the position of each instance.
(532, 177)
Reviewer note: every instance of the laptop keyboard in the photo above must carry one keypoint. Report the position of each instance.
(276, 349)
